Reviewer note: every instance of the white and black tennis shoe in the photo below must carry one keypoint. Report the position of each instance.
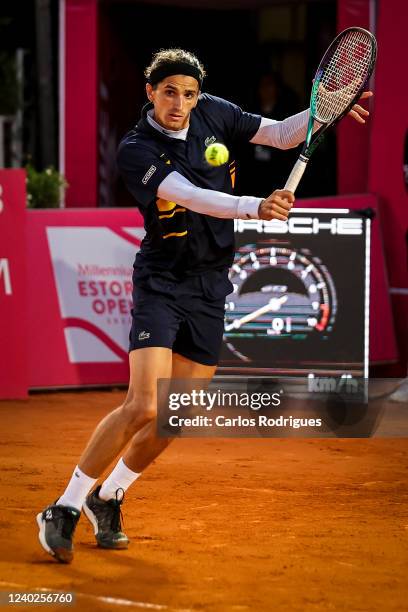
(105, 517)
(57, 526)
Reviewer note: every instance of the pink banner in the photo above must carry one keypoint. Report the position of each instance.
(13, 301)
(386, 174)
(81, 290)
(81, 107)
(353, 141)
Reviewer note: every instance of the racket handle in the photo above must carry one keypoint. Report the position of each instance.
(296, 174)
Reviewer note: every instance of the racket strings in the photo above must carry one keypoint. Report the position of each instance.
(343, 76)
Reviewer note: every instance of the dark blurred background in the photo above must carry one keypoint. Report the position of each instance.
(259, 55)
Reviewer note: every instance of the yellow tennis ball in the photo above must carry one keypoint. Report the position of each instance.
(217, 154)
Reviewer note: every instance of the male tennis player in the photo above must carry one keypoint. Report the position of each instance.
(180, 276)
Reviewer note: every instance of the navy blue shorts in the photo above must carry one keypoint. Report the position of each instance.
(187, 317)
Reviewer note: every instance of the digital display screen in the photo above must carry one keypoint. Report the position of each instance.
(299, 298)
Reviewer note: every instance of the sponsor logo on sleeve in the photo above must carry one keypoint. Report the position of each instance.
(149, 174)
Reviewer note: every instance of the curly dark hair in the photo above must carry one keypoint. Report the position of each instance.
(169, 56)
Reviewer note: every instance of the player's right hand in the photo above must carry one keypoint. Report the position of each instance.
(276, 206)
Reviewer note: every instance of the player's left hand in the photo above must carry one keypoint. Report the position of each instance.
(358, 112)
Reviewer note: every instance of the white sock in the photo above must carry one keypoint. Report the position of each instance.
(77, 490)
(121, 477)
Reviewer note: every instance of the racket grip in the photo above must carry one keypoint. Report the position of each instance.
(296, 174)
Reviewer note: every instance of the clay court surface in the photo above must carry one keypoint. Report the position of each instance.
(277, 524)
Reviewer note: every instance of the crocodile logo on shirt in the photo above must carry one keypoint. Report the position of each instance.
(209, 140)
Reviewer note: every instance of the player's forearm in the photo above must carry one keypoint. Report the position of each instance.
(176, 188)
(284, 134)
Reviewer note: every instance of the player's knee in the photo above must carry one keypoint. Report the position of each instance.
(139, 409)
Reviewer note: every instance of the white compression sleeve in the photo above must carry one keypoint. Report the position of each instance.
(283, 134)
(176, 188)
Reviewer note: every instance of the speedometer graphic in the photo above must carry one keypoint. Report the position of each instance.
(280, 292)
(300, 295)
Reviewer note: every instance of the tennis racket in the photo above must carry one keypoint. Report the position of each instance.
(339, 82)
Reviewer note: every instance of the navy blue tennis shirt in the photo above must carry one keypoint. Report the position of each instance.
(180, 243)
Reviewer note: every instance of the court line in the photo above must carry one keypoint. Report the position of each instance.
(101, 598)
